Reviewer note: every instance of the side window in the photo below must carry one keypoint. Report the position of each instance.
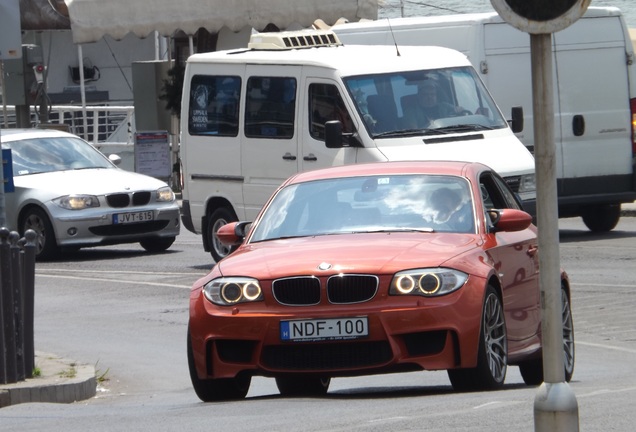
(496, 194)
(325, 103)
(214, 105)
(270, 107)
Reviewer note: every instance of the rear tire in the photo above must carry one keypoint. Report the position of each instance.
(492, 357)
(532, 370)
(37, 220)
(303, 385)
(157, 244)
(602, 218)
(213, 390)
(218, 218)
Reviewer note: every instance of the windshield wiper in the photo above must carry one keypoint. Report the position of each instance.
(462, 128)
(388, 230)
(409, 132)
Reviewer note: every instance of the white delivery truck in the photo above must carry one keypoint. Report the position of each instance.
(594, 92)
(296, 101)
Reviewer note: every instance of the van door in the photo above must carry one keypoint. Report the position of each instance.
(593, 95)
(509, 78)
(325, 101)
(269, 145)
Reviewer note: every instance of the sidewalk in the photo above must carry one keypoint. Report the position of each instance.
(60, 381)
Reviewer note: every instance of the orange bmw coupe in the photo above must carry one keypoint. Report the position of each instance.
(375, 268)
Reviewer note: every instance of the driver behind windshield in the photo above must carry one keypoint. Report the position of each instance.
(426, 106)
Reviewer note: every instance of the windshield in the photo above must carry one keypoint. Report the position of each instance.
(424, 102)
(426, 203)
(39, 155)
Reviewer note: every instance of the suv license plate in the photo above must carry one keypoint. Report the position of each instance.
(136, 217)
(324, 329)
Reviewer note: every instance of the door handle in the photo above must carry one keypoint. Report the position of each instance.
(289, 156)
(310, 158)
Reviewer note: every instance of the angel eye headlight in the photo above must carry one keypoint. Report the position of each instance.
(427, 282)
(233, 290)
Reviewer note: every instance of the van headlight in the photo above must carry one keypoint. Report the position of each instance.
(427, 282)
(528, 183)
(228, 291)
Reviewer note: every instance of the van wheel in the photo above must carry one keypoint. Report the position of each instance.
(602, 218)
(218, 218)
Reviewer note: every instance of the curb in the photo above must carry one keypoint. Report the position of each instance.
(60, 381)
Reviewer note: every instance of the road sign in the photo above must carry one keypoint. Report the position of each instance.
(540, 16)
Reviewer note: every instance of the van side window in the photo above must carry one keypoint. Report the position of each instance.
(270, 107)
(214, 105)
(325, 103)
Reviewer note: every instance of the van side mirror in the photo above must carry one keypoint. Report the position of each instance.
(333, 134)
(516, 124)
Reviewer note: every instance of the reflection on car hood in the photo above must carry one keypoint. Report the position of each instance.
(87, 181)
(375, 253)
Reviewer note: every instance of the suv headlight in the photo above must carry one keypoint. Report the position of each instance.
(229, 291)
(427, 282)
(77, 202)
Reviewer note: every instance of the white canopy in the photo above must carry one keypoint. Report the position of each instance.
(92, 19)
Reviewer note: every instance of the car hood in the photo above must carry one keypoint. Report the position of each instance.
(373, 253)
(94, 181)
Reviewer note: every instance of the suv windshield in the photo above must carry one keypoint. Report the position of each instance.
(424, 102)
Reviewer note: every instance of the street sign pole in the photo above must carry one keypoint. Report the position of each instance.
(555, 405)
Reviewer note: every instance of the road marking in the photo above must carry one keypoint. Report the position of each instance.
(43, 271)
(116, 280)
(615, 348)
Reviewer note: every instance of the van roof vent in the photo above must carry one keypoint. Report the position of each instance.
(293, 39)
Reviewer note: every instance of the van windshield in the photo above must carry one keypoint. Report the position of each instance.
(424, 102)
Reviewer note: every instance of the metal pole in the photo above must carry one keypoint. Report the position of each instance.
(7, 308)
(555, 406)
(16, 281)
(28, 279)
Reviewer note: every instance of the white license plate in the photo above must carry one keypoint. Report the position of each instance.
(136, 217)
(324, 329)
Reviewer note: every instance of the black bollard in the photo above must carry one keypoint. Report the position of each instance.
(28, 291)
(8, 325)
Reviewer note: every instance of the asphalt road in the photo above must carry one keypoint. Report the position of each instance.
(125, 311)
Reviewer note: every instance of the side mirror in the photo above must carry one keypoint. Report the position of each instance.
(509, 220)
(516, 124)
(233, 234)
(333, 134)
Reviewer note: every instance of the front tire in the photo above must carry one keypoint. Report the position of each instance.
(37, 220)
(214, 390)
(532, 370)
(602, 218)
(218, 218)
(303, 385)
(492, 357)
